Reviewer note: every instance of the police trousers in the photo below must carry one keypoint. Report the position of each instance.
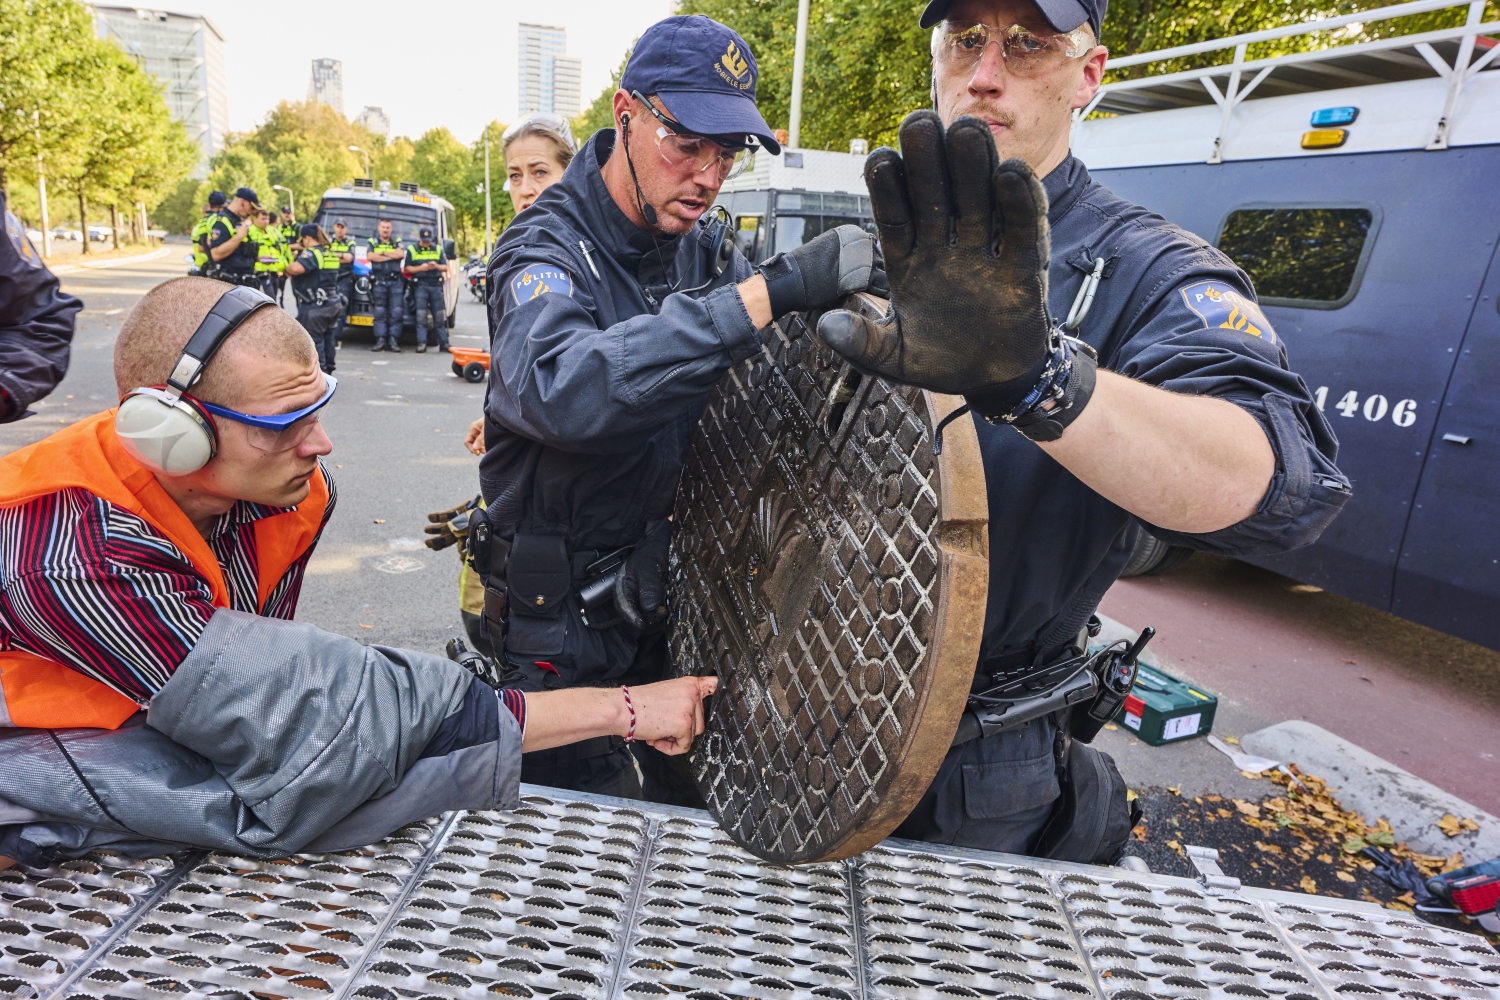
(991, 794)
(389, 297)
(323, 323)
(428, 301)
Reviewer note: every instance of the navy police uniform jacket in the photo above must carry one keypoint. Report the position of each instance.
(599, 371)
(1171, 311)
(36, 322)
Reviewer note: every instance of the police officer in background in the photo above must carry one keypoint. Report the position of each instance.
(341, 244)
(290, 230)
(427, 266)
(320, 305)
(36, 322)
(232, 254)
(270, 259)
(1189, 423)
(200, 232)
(388, 292)
(615, 315)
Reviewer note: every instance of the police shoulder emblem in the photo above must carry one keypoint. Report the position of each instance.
(537, 280)
(1222, 307)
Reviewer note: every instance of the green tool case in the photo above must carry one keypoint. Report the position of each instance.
(1162, 709)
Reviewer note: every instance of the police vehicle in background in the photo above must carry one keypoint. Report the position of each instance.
(361, 205)
(783, 201)
(1359, 186)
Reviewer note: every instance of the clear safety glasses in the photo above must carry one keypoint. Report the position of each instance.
(684, 149)
(278, 432)
(1026, 52)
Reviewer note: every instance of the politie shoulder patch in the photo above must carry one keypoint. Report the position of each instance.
(538, 280)
(1221, 307)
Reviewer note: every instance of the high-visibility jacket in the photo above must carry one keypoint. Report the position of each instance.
(40, 693)
(338, 246)
(419, 254)
(200, 231)
(268, 254)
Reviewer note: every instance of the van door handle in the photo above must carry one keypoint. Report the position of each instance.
(1457, 438)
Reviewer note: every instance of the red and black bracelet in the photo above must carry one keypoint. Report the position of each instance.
(630, 734)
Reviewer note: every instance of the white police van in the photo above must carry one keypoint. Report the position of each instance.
(783, 201)
(1359, 185)
(361, 204)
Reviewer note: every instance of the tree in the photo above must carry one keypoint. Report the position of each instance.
(35, 37)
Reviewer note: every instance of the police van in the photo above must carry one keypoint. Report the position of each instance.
(783, 201)
(1359, 186)
(361, 205)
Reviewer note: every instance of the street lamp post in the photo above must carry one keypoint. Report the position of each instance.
(361, 152)
(489, 239)
(799, 64)
(291, 199)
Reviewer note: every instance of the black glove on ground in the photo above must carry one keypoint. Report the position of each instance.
(823, 270)
(966, 247)
(641, 585)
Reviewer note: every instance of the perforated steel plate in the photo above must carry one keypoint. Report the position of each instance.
(832, 572)
(577, 897)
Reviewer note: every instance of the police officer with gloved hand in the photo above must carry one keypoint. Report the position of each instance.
(388, 292)
(1119, 375)
(200, 233)
(36, 322)
(427, 266)
(320, 305)
(617, 307)
(231, 252)
(343, 245)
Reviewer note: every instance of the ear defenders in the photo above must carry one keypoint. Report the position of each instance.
(162, 427)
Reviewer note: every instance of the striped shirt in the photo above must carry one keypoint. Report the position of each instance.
(92, 586)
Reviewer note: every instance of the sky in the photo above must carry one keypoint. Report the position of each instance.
(426, 64)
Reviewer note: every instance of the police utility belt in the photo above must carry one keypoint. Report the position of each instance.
(1084, 690)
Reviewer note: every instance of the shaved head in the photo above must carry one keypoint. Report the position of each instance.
(160, 325)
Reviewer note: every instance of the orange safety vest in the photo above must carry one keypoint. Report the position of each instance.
(36, 692)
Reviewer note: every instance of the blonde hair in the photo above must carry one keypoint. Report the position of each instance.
(559, 137)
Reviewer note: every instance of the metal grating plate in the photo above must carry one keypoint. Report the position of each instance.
(832, 572)
(578, 897)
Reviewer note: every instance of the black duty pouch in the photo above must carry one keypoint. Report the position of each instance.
(539, 579)
(1093, 818)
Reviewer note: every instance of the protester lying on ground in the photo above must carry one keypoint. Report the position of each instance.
(153, 689)
(36, 322)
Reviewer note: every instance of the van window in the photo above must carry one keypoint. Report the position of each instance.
(794, 230)
(1299, 256)
(749, 236)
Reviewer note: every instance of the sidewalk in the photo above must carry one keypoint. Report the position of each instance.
(68, 263)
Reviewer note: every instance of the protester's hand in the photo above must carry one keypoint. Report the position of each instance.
(474, 437)
(823, 270)
(641, 585)
(966, 245)
(669, 714)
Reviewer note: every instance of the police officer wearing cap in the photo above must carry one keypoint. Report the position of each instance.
(320, 305)
(341, 244)
(616, 309)
(426, 265)
(231, 252)
(1120, 376)
(200, 232)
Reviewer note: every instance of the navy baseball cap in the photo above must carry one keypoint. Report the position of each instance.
(308, 229)
(704, 73)
(1062, 15)
(424, 233)
(217, 199)
(249, 195)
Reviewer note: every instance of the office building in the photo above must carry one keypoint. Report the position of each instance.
(550, 79)
(375, 119)
(326, 85)
(185, 52)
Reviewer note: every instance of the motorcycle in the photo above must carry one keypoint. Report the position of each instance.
(474, 276)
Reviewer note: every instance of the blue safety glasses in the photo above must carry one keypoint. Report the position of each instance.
(278, 432)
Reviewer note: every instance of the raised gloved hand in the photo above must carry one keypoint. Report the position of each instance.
(823, 270)
(641, 585)
(966, 247)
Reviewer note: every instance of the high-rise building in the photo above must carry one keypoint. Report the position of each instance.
(185, 52)
(375, 119)
(326, 85)
(550, 79)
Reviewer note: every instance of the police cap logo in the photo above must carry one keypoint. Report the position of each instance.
(1221, 307)
(538, 280)
(734, 68)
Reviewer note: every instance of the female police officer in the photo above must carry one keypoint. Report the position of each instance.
(320, 305)
(1190, 421)
(614, 316)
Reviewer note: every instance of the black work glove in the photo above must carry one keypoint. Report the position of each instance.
(823, 270)
(641, 585)
(448, 527)
(966, 247)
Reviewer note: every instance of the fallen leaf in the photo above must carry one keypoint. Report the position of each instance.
(1248, 808)
(1344, 876)
(1394, 905)
(1225, 813)
(363, 625)
(1381, 838)
(1354, 845)
(1407, 898)
(1199, 800)
(1130, 795)
(1111, 726)
(1174, 845)
(1175, 790)
(1308, 885)
(1232, 740)
(1139, 832)
(1214, 798)
(1251, 775)
(1267, 848)
(1326, 859)
(380, 520)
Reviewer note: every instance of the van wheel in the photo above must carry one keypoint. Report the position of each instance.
(474, 372)
(1153, 557)
(458, 369)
